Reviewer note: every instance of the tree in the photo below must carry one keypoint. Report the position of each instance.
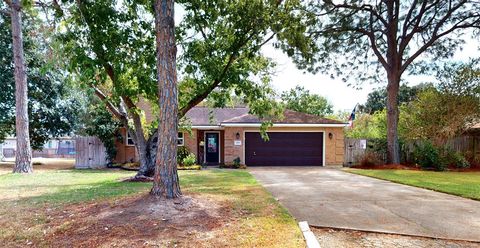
(23, 158)
(110, 50)
(166, 181)
(390, 35)
(377, 99)
(300, 99)
(446, 111)
(52, 110)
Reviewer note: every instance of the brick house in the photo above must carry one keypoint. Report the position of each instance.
(220, 135)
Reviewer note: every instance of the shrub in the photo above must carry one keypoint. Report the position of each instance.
(189, 160)
(192, 167)
(454, 159)
(473, 160)
(235, 164)
(370, 159)
(182, 153)
(428, 157)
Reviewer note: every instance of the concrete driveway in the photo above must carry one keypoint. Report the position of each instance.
(333, 198)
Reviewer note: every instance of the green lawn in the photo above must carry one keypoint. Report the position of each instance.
(465, 184)
(26, 199)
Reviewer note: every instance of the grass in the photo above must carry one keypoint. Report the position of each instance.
(26, 202)
(464, 184)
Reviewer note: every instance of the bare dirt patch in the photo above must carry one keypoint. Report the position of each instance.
(139, 221)
(356, 239)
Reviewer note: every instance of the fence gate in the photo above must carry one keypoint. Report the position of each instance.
(354, 150)
(90, 153)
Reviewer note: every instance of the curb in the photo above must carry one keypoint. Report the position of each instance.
(310, 238)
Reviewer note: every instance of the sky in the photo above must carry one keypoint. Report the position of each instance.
(341, 96)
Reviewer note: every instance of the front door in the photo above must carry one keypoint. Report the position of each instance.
(212, 153)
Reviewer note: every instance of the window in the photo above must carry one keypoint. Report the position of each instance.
(180, 140)
(130, 140)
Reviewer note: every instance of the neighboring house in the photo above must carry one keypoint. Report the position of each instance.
(63, 147)
(220, 135)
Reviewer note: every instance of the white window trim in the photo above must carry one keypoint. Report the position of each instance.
(182, 139)
(129, 137)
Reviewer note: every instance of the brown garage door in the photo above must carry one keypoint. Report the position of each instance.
(284, 149)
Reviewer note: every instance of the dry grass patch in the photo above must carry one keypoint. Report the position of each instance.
(222, 208)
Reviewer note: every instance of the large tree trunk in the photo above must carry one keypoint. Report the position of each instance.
(23, 162)
(166, 182)
(147, 167)
(393, 149)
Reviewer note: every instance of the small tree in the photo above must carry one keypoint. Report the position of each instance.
(301, 100)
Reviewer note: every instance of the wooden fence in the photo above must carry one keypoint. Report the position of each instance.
(90, 153)
(356, 148)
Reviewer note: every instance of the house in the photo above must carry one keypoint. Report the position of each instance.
(220, 135)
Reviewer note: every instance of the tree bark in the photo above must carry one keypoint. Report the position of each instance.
(23, 158)
(166, 182)
(393, 149)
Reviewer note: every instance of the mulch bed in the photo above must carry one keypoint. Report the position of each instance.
(387, 167)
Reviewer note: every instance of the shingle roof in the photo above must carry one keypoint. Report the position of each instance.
(203, 116)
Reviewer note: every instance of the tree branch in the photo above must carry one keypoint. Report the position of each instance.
(110, 106)
(433, 39)
(198, 98)
(365, 7)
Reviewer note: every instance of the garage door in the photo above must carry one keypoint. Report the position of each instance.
(284, 149)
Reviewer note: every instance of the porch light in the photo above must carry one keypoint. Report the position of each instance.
(330, 135)
(237, 136)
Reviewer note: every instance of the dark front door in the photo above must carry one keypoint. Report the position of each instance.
(284, 149)
(212, 147)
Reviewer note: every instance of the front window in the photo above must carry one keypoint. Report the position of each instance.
(180, 140)
(130, 140)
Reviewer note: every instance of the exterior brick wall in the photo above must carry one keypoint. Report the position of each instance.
(334, 147)
(190, 141)
(233, 151)
(125, 153)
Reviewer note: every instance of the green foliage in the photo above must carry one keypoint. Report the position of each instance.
(301, 100)
(182, 153)
(428, 156)
(455, 159)
(236, 162)
(377, 99)
(110, 44)
(438, 116)
(189, 160)
(220, 44)
(369, 126)
(52, 109)
(101, 124)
